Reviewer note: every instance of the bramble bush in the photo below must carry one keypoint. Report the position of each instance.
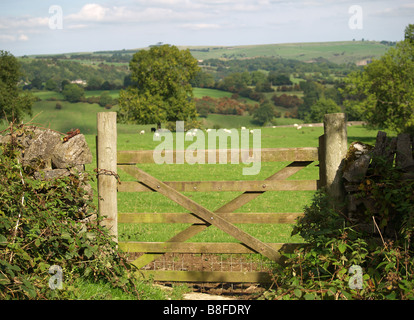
(321, 270)
(41, 225)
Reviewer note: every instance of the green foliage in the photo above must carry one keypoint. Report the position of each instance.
(73, 93)
(264, 113)
(161, 89)
(13, 104)
(383, 93)
(392, 201)
(320, 108)
(321, 270)
(409, 33)
(105, 99)
(41, 225)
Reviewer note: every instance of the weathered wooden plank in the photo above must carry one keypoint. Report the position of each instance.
(203, 213)
(266, 155)
(206, 276)
(197, 247)
(239, 217)
(217, 186)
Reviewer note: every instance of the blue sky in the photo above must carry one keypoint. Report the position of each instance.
(33, 26)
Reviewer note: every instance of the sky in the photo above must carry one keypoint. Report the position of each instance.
(59, 26)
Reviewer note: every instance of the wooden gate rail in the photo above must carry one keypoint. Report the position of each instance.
(200, 217)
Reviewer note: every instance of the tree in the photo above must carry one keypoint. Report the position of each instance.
(105, 99)
(73, 93)
(320, 108)
(264, 113)
(383, 93)
(409, 33)
(94, 83)
(51, 85)
(13, 103)
(37, 83)
(161, 89)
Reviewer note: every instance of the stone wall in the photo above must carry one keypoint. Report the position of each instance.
(49, 153)
(361, 163)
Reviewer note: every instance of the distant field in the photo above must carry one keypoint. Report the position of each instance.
(335, 51)
(338, 52)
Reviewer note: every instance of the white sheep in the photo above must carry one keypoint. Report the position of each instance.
(295, 125)
(299, 127)
(142, 132)
(251, 131)
(243, 128)
(156, 134)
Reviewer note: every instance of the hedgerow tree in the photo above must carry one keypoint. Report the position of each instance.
(13, 103)
(161, 89)
(320, 108)
(73, 93)
(383, 93)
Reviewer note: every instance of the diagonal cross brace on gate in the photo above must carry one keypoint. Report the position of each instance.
(206, 215)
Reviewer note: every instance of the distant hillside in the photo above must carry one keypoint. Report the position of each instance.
(357, 52)
(337, 52)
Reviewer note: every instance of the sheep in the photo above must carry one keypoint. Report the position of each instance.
(142, 132)
(156, 134)
(295, 125)
(299, 127)
(243, 128)
(251, 131)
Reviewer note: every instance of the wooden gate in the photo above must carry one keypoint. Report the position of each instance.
(200, 218)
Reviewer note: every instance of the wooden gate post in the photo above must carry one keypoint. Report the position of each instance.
(106, 158)
(334, 146)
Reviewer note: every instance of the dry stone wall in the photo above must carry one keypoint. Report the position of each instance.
(49, 153)
(396, 152)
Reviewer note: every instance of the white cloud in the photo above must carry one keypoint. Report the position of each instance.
(23, 22)
(23, 37)
(90, 12)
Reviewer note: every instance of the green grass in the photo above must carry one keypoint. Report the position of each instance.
(214, 93)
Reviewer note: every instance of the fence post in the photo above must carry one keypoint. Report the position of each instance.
(106, 158)
(332, 156)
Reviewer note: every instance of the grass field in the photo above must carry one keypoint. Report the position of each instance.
(337, 51)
